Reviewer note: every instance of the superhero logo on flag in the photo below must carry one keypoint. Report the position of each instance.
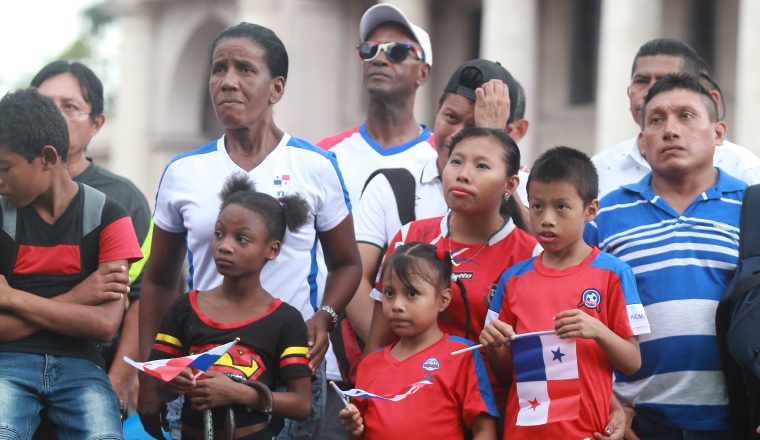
(240, 360)
(592, 299)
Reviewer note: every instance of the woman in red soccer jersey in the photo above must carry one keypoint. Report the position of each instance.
(481, 175)
(416, 282)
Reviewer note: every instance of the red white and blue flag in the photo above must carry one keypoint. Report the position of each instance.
(399, 395)
(168, 369)
(546, 376)
(282, 180)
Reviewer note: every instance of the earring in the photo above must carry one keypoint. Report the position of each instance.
(506, 196)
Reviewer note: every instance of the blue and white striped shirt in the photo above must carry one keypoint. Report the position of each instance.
(682, 264)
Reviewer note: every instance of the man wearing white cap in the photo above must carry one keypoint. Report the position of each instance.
(396, 58)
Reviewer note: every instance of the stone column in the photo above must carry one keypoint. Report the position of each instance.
(509, 35)
(747, 86)
(418, 12)
(130, 153)
(625, 25)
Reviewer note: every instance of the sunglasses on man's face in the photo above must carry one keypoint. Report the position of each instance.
(395, 52)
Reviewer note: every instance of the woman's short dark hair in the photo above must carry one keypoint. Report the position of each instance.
(89, 84)
(511, 157)
(289, 211)
(275, 54)
(29, 121)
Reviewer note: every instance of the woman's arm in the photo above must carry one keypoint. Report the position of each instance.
(380, 333)
(160, 285)
(360, 309)
(344, 270)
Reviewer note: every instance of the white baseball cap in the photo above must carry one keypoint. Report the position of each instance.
(384, 12)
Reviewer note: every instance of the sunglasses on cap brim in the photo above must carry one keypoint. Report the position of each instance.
(395, 52)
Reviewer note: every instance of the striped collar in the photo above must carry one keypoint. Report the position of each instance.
(497, 236)
(726, 183)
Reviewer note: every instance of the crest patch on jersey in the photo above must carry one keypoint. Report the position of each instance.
(431, 364)
(592, 299)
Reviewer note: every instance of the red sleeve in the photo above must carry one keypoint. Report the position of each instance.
(391, 248)
(118, 242)
(505, 314)
(617, 312)
(334, 140)
(477, 396)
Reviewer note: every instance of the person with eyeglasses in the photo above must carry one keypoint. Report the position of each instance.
(78, 93)
(624, 164)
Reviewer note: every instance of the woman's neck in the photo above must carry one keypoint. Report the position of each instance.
(249, 146)
(409, 346)
(473, 229)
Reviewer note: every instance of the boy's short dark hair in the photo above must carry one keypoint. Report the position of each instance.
(89, 83)
(29, 121)
(565, 164)
(676, 81)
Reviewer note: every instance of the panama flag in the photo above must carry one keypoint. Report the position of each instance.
(546, 376)
(282, 180)
(399, 395)
(168, 369)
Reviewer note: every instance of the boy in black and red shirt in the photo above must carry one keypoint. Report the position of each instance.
(64, 249)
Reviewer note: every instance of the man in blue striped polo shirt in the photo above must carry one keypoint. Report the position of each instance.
(678, 228)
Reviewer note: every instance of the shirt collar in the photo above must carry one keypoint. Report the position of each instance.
(497, 236)
(726, 183)
(430, 171)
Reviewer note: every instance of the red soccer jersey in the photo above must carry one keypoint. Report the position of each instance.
(533, 294)
(458, 395)
(479, 270)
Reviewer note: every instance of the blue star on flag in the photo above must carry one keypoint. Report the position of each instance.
(557, 355)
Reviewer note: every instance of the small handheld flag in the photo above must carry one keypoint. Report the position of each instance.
(168, 369)
(340, 393)
(546, 377)
(400, 394)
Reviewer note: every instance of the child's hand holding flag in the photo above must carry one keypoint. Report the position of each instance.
(168, 369)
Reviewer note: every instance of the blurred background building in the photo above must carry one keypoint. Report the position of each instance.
(573, 57)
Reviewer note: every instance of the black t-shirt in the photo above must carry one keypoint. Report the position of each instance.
(51, 259)
(272, 348)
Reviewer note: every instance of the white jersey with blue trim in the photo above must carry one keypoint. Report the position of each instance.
(188, 202)
(359, 156)
(682, 263)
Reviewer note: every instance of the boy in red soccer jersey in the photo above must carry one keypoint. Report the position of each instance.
(571, 288)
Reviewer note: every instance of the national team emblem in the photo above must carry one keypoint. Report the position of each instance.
(592, 299)
(489, 296)
(282, 180)
(431, 364)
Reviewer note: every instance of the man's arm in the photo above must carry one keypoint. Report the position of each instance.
(159, 288)
(344, 270)
(359, 310)
(98, 322)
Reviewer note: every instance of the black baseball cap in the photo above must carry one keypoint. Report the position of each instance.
(474, 73)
